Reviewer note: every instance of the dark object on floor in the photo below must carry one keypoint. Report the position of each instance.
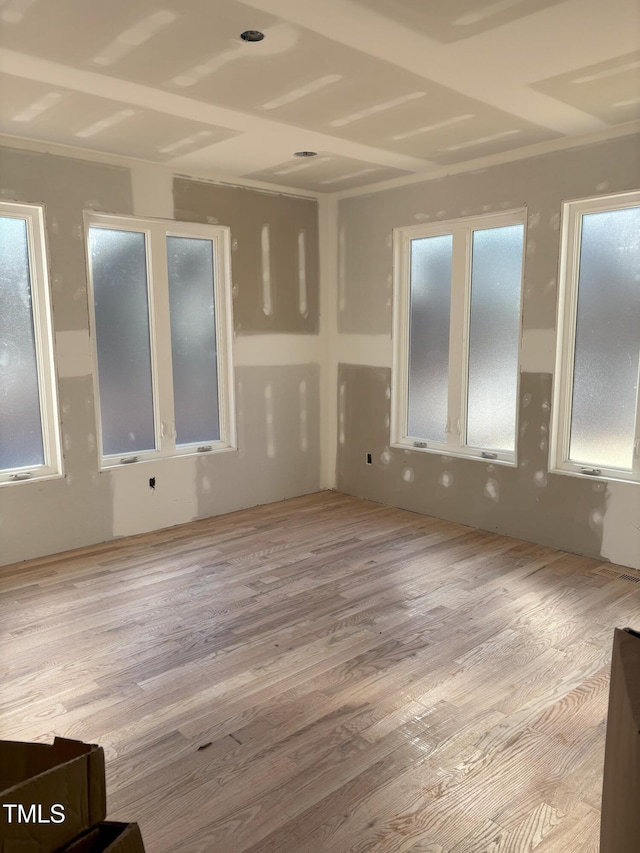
(57, 791)
(620, 822)
(54, 799)
(109, 837)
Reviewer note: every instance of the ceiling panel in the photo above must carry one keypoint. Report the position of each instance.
(392, 109)
(35, 110)
(336, 77)
(452, 20)
(337, 91)
(326, 173)
(146, 41)
(609, 90)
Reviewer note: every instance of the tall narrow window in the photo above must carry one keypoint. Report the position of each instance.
(162, 320)
(596, 424)
(494, 337)
(29, 434)
(193, 339)
(456, 335)
(430, 311)
(120, 285)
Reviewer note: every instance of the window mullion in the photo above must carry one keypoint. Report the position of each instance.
(570, 267)
(43, 336)
(224, 337)
(400, 371)
(458, 334)
(161, 342)
(466, 331)
(636, 444)
(635, 459)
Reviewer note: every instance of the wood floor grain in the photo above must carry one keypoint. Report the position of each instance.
(324, 674)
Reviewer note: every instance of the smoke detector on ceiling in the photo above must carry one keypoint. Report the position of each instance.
(305, 153)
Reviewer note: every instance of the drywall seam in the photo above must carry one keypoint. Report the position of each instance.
(328, 255)
(267, 292)
(278, 349)
(302, 273)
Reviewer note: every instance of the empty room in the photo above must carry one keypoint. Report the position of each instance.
(319, 426)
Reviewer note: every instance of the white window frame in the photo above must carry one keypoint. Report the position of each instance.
(33, 215)
(156, 231)
(559, 462)
(460, 315)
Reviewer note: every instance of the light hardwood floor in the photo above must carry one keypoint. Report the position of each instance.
(325, 674)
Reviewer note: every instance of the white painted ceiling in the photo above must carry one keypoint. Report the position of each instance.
(379, 88)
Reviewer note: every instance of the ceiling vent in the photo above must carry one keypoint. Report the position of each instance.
(252, 35)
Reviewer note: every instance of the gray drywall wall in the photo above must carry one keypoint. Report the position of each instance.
(572, 513)
(523, 501)
(277, 407)
(251, 216)
(49, 516)
(540, 183)
(278, 436)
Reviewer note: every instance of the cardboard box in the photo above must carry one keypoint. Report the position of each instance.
(620, 822)
(109, 837)
(49, 794)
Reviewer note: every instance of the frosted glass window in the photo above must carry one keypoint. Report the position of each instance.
(430, 308)
(607, 347)
(119, 272)
(496, 277)
(21, 442)
(193, 339)
(162, 326)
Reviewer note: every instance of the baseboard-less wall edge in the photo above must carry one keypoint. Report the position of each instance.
(620, 821)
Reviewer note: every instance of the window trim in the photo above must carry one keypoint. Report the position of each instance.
(567, 311)
(460, 318)
(37, 249)
(156, 231)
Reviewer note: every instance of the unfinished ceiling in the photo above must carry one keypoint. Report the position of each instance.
(379, 88)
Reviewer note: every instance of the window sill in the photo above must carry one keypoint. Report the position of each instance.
(114, 464)
(36, 478)
(604, 477)
(455, 453)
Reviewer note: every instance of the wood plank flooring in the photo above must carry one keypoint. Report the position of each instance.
(324, 674)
